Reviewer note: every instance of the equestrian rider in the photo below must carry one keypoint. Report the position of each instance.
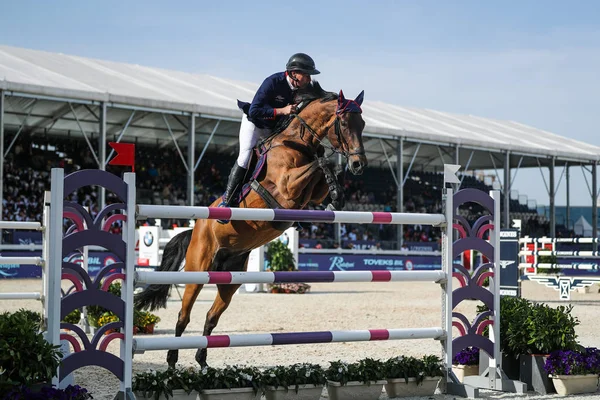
(272, 101)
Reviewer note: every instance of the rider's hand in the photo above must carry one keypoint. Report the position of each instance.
(287, 110)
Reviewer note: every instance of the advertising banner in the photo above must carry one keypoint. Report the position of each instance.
(367, 262)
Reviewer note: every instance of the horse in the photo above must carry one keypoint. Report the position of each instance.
(292, 176)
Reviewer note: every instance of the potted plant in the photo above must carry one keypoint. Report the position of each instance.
(529, 332)
(362, 379)
(230, 382)
(281, 258)
(21, 342)
(410, 376)
(297, 381)
(546, 329)
(574, 371)
(73, 317)
(145, 321)
(466, 363)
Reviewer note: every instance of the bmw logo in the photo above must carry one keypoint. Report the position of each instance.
(109, 261)
(148, 238)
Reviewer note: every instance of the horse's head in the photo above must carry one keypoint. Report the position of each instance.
(346, 136)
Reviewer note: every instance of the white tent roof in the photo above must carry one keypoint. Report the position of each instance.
(60, 75)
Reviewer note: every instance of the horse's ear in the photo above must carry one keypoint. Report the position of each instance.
(341, 98)
(359, 99)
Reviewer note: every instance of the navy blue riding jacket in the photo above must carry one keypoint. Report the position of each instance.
(275, 92)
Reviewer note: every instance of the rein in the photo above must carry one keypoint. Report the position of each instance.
(338, 132)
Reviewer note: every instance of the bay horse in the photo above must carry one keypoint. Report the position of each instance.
(293, 177)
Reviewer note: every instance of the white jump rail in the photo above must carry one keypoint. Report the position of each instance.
(580, 266)
(560, 253)
(21, 225)
(21, 260)
(21, 296)
(558, 240)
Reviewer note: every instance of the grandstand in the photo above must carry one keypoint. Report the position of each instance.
(61, 110)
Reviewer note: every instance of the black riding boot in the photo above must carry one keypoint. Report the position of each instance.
(234, 185)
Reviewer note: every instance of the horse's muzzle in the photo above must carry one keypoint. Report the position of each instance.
(357, 163)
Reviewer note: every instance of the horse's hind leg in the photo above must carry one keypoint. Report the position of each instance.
(183, 319)
(197, 259)
(228, 262)
(222, 301)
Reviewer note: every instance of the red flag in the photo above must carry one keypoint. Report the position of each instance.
(125, 154)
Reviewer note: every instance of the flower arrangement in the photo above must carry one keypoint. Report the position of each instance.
(366, 371)
(107, 318)
(152, 384)
(229, 377)
(289, 288)
(293, 375)
(49, 393)
(468, 356)
(407, 367)
(573, 362)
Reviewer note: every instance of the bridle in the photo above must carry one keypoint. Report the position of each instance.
(336, 124)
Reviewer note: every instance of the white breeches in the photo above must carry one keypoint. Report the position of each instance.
(249, 136)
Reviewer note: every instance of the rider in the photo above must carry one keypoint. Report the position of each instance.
(272, 100)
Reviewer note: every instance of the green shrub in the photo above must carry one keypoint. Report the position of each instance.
(530, 328)
(26, 357)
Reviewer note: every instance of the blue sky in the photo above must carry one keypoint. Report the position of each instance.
(535, 62)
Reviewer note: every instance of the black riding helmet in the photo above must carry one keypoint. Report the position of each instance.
(303, 63)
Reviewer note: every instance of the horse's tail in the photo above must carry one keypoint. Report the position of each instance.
(155, 296)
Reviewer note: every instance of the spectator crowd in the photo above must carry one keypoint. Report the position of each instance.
(161, 179)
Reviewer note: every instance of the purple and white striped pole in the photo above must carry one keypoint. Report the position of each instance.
(142, 344)
(226, 277)
(259, 214)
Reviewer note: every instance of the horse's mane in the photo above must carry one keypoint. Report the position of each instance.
(314, 92)
(305, 96)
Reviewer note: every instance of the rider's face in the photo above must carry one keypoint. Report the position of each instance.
(302, 79)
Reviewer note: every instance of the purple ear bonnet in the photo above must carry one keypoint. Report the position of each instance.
(348, 105)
